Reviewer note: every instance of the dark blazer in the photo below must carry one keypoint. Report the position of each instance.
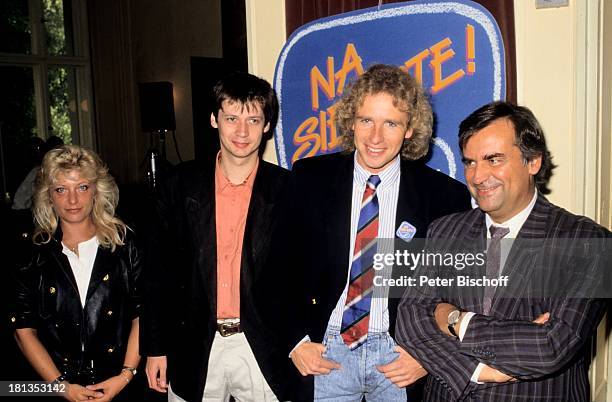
(180, 310)
(312, 246)
(548, 360)
(76, 337)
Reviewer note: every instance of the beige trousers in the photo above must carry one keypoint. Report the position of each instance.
(232, 370)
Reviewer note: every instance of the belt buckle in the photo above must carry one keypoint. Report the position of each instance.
(230, 328)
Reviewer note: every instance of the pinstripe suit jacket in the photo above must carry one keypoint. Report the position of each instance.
(549, 361)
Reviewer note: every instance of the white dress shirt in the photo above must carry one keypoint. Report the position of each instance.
(82, 264)
(514, 224)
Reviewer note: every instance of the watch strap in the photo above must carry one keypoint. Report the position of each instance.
(451, 329)
(451, 324)
(59, 379)
(130, 369)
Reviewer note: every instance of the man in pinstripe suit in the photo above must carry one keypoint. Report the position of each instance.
(512, 345)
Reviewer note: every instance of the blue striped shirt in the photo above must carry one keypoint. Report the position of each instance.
(388, 194)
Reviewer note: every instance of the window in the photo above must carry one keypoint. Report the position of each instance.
(44, 80)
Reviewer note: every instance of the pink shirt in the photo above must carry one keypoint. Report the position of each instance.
(231, 208)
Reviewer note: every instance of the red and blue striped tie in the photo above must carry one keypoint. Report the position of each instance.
(356, 316)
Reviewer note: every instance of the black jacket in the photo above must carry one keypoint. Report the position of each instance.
(180, 310)
(88, 344)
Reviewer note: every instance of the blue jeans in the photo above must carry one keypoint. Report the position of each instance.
(358, 376)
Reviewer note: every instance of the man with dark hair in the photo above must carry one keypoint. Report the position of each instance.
(529, 136)
(337, 330)
(205, 254)
(524, 341)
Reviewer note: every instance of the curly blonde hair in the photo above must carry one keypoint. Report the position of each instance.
(110, 230)
(408, 96)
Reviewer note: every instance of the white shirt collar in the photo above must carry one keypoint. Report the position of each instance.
(82, 264)
(516, 222)
(387, 177)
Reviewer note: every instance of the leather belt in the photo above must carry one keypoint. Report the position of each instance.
(228, 328)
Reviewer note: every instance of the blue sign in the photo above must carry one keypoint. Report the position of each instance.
(454, 48)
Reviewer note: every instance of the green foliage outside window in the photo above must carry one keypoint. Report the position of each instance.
(60, 93)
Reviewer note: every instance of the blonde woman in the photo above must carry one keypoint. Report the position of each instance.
(77, 302)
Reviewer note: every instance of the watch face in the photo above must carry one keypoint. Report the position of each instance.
(453, 317)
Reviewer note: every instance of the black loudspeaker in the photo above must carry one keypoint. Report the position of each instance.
(156, 106)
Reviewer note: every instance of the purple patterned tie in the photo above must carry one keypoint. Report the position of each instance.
(493, 263)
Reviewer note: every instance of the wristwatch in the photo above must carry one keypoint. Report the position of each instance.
(130, 369)
(453, 318)
(59, 379)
